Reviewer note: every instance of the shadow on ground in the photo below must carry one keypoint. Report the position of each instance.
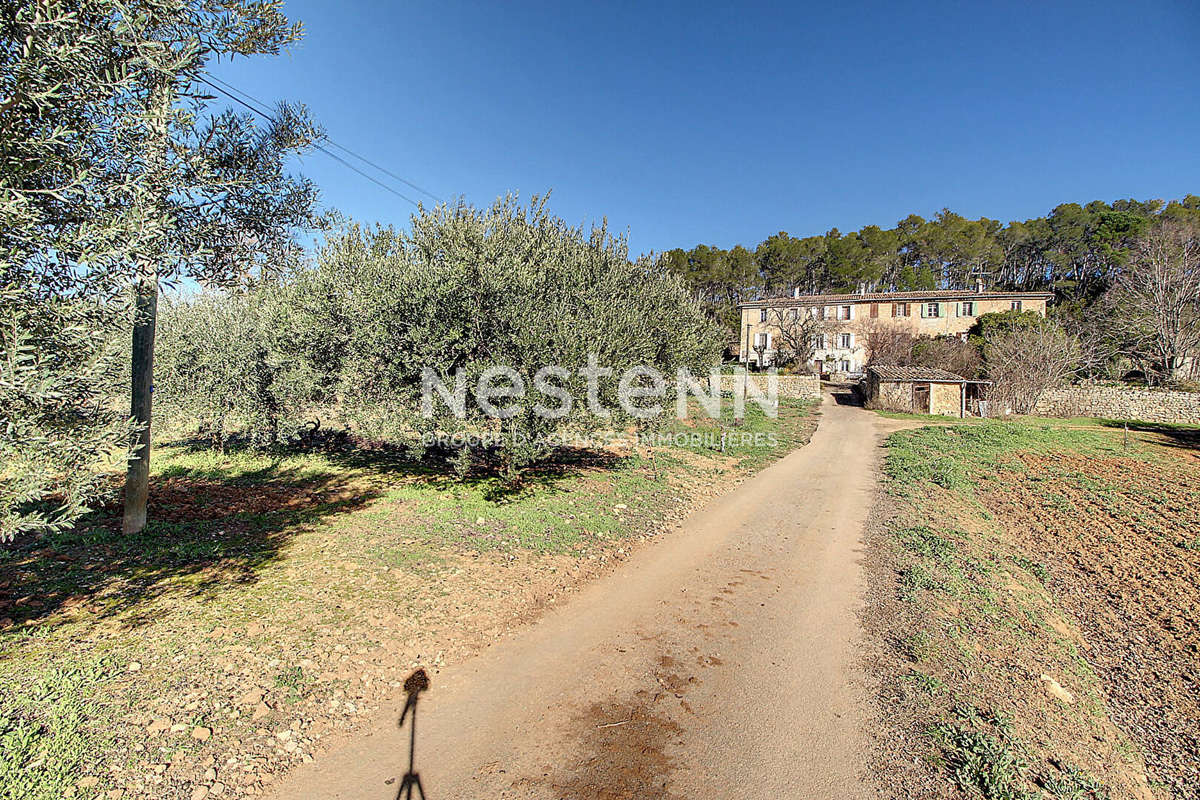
(846, 396)
(1174, 435)
(210, 531)
(204, 535)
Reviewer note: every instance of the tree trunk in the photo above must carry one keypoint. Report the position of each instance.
(137, 477)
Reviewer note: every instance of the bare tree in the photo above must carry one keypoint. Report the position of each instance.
(1157, 296)
(796, 332)
(1101, 342)
(888, 345)
(1024, 362)
(949, 353)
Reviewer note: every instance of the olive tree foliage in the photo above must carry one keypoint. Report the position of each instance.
(464, 292)
(223, 371)
(114, 175)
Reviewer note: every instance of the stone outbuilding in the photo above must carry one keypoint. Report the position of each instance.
(924, 390)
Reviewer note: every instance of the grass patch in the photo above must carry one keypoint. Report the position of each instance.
(51, 730)
(974, 621)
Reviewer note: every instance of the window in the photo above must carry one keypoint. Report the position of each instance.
(794, 313)
(819, 341)
(762, 315)
(844, 312)
(760, 340)
(967, 309)
(900, 309)
(846, 341)
(1015, 305)
(844, 365)
(932, 310)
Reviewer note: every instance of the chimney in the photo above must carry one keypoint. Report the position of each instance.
(979, 285)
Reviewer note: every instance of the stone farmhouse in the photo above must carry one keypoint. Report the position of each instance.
(848, 319)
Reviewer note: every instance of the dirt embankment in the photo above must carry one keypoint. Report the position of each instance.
(1036, 625)
(1121, 541)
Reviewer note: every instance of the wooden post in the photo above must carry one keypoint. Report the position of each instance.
(137, 476)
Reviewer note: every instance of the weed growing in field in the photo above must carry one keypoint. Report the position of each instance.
(982, 756)
(294, 680)
(49, 732)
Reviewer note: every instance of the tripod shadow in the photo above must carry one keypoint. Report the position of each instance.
(413, 686)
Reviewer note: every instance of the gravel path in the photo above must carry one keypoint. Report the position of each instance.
(718, 661)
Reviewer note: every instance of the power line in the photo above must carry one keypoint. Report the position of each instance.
(318, 146)
(338, 145)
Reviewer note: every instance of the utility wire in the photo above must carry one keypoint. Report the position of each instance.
(339, 146)
(318, 146)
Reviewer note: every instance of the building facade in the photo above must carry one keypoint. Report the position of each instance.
(848, 320)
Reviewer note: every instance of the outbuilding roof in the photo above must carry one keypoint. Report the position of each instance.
(906, 374)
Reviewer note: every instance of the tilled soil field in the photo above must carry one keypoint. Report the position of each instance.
(1121, 539)
(1034, 613)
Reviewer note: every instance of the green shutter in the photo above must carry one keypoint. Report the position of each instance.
(958, 309)
(923, 310)
(944, 310)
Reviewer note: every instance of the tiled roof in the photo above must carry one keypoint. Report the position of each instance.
(893, 297)
(914, 374)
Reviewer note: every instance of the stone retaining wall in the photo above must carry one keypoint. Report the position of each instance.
(1121, 402)
(797, 387)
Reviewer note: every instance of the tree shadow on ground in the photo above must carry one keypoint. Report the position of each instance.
(204, 535)
(847, 396)
(209, 531)
(437, 466)
(1173, 435)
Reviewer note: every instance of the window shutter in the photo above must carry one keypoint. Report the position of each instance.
(958, 309)
(894, 309)
(943, 309)
(924, 309)
(874, 310)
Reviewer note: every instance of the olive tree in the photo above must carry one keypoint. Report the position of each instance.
(222, 370)
(469, 292)
(115, 177)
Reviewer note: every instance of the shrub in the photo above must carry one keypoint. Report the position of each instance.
(220, 368)
(466, 291)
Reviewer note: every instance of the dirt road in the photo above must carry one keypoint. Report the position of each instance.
(718, 661)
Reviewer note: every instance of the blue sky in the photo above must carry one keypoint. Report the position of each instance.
(684, 123)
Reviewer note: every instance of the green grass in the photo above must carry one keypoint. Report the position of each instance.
(905, 415)
(50, 731)
(983, 758)
(960, 457)
(955, 578)
(243, 467)
(556, 509)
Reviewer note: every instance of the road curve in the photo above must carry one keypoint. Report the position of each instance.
(718, 661)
